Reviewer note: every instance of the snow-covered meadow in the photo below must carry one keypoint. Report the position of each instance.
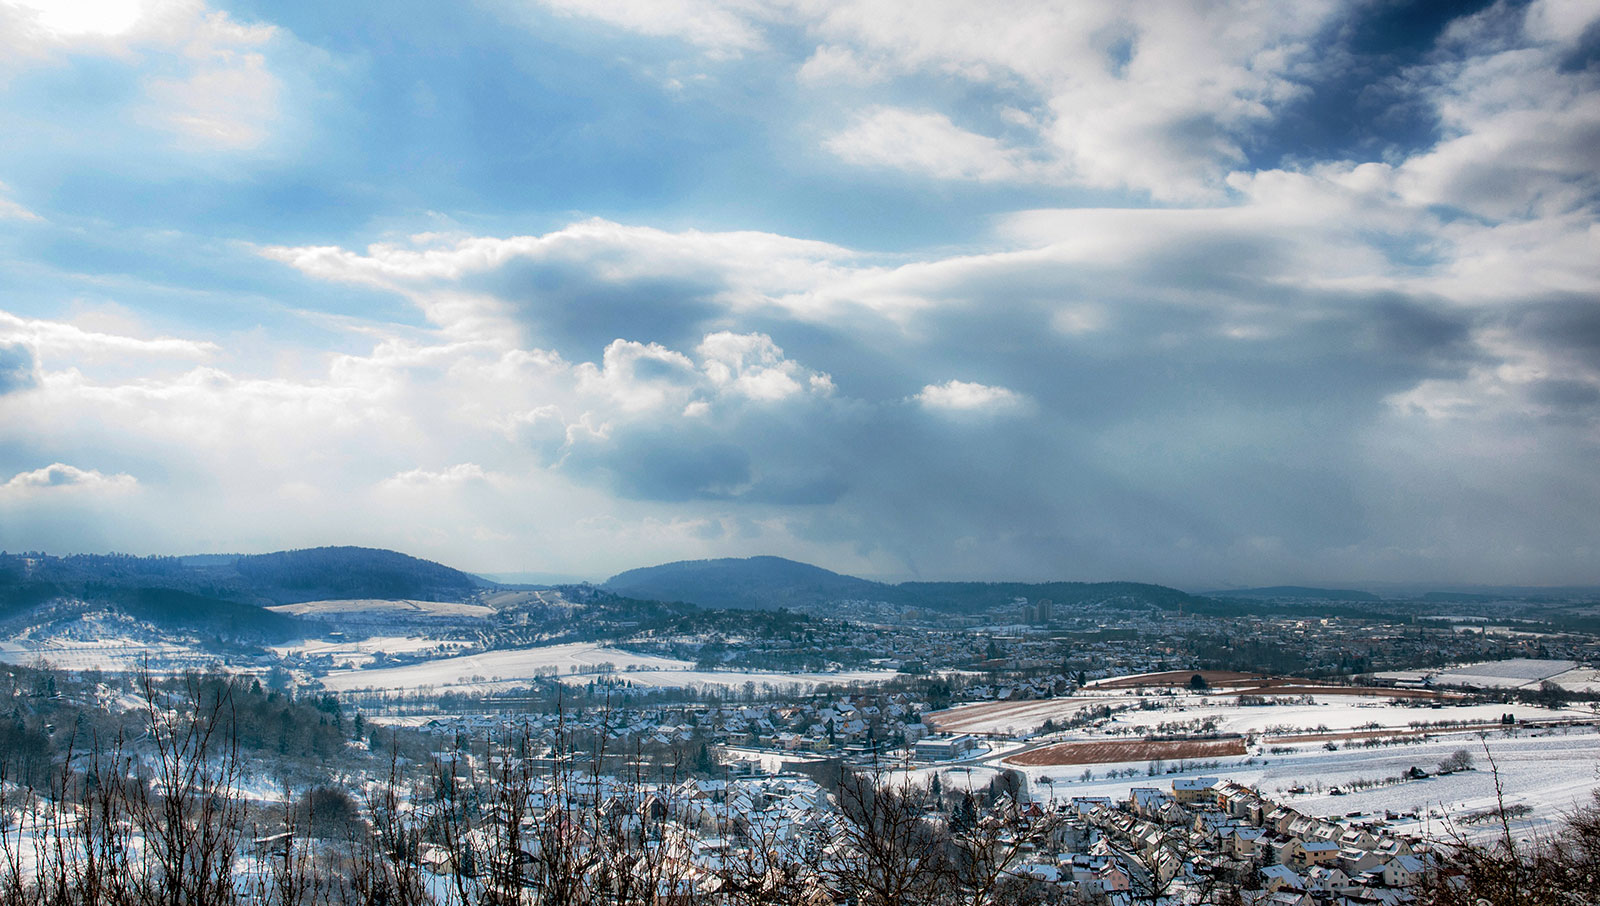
(351, 655)
(1222, 713)
(1513, 673)
(113, 653)
(1548, 770)
(578, 662)
(373, 609)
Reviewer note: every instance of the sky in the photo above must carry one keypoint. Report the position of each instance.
(1206, 294)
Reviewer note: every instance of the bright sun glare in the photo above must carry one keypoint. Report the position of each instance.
(84, 17)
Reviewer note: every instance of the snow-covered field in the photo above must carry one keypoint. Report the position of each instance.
(577, 662)
(358, 654)
(1333, 714)
(1514, 673)
(111, 654)
(1583, 679)
(763, 680)
(501, 669)
(1226, 715)
(1549, 770)
(409, 610)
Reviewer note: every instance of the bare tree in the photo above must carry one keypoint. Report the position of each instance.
(889, 852)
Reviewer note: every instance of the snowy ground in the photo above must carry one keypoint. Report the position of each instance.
(765, 681)
(411, 610)
(1187, 712)
(501, 669)
(110, 654)
(576, 663)
(1332, 714)
(1514, 673)
(358, 654)
(1550, 771)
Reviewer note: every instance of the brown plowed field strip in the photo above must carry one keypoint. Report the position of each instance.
(1132, 750)
(1376, 691)
(1181, 678)
(1032, 712)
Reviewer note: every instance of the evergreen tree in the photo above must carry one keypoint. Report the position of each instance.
(702, 761)
(965, 815)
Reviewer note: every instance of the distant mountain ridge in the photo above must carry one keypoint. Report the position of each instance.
(1296, 591)
(749, 583)
(284, 577)
(765, 583)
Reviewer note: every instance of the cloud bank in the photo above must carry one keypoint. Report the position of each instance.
(1218, 294)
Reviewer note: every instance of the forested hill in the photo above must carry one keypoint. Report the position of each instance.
(285, 577)
(754, 583)
(770, 582)
(1297, 592)
(352, 572)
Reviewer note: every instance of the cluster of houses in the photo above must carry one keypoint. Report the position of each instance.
(834, 723)
(1163, 846)
(1206, 834)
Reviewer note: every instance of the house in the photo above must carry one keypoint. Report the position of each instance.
(1326, 880)
(1285, 852)
(1403, 871)
(1357, 862)
(1280, 877)
(1148, 801)
(1318, 852)
(1247, 841)
(1188, 790)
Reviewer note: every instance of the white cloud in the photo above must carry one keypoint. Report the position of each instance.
(61, 478)
(640, 376)
(721, 29)
(205, 76)
(968, 396)
(11, 210)
(830, 62)
(1561, 21)
(69, 18)
(929, 143)
(1157, 98)
(229, 99)
(742, 269)
(751, 365)
(57, 339)
(453, 476)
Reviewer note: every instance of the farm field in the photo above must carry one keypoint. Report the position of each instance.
(577, 662)
(1012, 718)
(500, 669)
(379, 609)
(350, 655)
(112, 654)
(1547, 770)
(1127, 750)
(1190, 712)
(1514, 673)
(1333, 714)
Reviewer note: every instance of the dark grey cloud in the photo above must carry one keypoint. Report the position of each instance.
(571, 308)
(783, 454)
(1571, 324)
(1156, 443)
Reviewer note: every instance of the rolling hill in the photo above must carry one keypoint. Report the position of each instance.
(771, 582)
(753, 583)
